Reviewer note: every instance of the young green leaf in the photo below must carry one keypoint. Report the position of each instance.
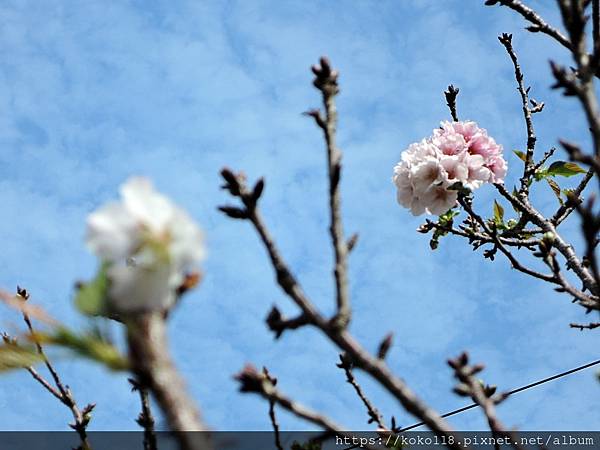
(498, 213)
(91, 297)
(555, 188)
(564, 169)
(14, 356)
(520, 155)
(88, 345)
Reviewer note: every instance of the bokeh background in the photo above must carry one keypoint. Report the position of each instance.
(92, 92)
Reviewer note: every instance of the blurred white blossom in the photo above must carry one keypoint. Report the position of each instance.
(457, 152)
(148, 243)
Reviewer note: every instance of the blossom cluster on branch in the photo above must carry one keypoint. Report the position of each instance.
(148, 245)
(457, 153)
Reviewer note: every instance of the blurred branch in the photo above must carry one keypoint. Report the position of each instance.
(589, 326)
(261, 383)
(152, 364)
(272, 415)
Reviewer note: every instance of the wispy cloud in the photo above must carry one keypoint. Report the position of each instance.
(93, 92)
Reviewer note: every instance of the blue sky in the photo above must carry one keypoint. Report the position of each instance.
(93, 92)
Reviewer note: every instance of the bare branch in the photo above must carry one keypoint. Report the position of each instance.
(483, 395)
(589, 326)
(326, 82)
(451, 95)
(272, 416)
(539, 25)
(62, 392)
(570, 205)
(500, 246)
(145, 418)
(374, 414)
(278, 324)
(253, 381)
(506, 40)
(235, 184)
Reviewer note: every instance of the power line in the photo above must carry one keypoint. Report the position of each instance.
(514, 391)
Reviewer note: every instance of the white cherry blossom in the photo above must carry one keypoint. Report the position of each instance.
(149, 244)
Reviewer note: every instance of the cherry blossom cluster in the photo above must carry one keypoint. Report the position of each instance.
(457, 152)
(148, 244)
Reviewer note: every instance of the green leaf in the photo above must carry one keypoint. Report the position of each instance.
(91, 297)
(88, 345)
(498, 213)
(555, 188)
(13, 356)
(564, 169)
(445, 220)
(540, 174)
(520, 155)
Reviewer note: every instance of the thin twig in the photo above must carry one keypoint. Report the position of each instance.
(81, 417)
(589, 326)
(539, 25)
(253, 381)
(374, 414)
(145, 418)
(506, 40)
(514, 261)
(272, 415)
(481, 394)
(326, 82)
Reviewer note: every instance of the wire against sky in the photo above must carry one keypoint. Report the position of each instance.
(514, 391)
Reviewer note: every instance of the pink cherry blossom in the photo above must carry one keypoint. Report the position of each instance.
(457, 152)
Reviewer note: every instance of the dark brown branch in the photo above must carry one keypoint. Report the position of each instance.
(362, 359)
(539, 25)
(253, 381)
(500, 246)
(570, 205)
(544, 159)
(483, 395)
(451, 95)
(326, 82)
(506, 40)
(34, 373)
(272, 415)
(278, 324)
(145, 418)
(589, 326)
(374, 414)
(62, 392)
(572, 261)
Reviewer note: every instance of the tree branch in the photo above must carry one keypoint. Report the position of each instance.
(145, 418)
(326, 82)
(152, 364)
(374, 414)
(377, 368)
(62, 392)
(506, 40)
(539, 25)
